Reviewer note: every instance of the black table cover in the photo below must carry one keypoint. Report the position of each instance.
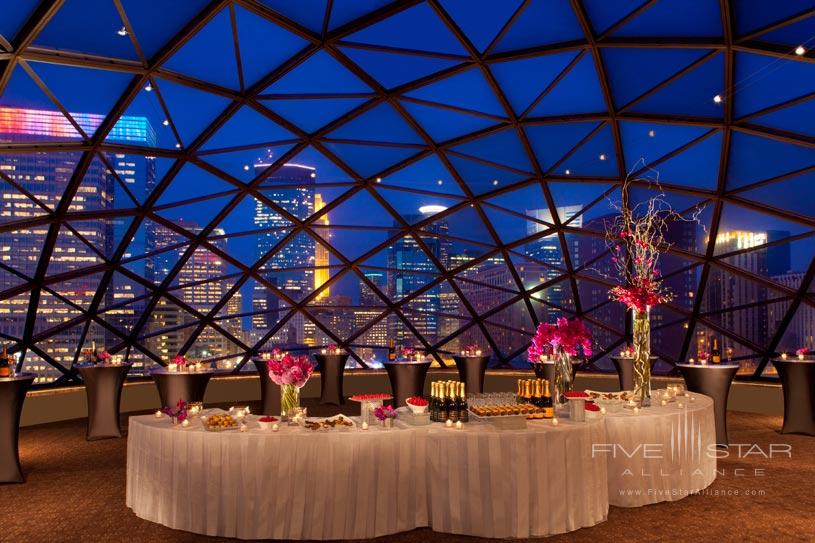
(712, 380)
(407, 379)
(12, 396)
(471, 370)
(546, 370)
(332, 368)
(625, 370)
(103, 387)
(189, 386)
(798, 382)
(269, 392)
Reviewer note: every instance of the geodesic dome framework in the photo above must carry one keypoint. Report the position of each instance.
(238, 174)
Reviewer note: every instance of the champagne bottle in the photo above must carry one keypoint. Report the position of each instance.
(519, 396)
(5, 369)
(715, 353)
(431, 407)
(537, 397)
(392, 350)
(464, 413)
(546, 401)
(528, 392)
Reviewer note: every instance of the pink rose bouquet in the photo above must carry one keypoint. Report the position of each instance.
(290, 370)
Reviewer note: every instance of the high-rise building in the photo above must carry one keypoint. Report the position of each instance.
(801, 331)
(370, 307)
(86, 243)
(410, 269)
(321, 271)
(547, 250)
(291, 267)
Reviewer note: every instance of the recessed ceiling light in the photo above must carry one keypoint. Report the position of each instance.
(148, 87)
(800, 50)
(717, 99)
(602, 156)
(313, 175)
(246, 167)
(122, 32)
(166, 122)
(439, 182)
(378, 179)
(652, 133)
(178, 146)
(568, 172)
(494, 182)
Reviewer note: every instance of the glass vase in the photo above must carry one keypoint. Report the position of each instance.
(563, 377)
(641, 339)
(289, 400)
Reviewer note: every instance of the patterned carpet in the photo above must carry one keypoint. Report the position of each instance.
(75, 492)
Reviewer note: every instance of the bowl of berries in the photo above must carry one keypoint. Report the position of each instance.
(266, 422)
(416, 404)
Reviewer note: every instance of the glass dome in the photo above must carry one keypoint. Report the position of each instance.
(237, 175)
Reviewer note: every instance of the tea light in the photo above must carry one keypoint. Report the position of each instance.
(322, 351)
(691, 398)
(172, 366)
(691, 360)
(157, 414)
(783, 356)
(247, 411)
(602, 410)
(449, 423)
(275, 427)
(478, 352)
(664, 403)
(801, 356)
(554, 422)
(364, 425)
(185, 423)
(243, 427)
(680, 405)
(232, 409)
(204, 419)
(459, 426)
(636, 410)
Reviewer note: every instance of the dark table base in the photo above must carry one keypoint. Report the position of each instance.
(625, 370)
(471, 371)
(12, 396)
(407, 379)
(103, 387)
(331, 367)
(798, 381)
(269, 392)
(712, 380)
(189, 387)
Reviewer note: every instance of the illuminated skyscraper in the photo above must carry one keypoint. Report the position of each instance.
(370, 307)
(86, 243)
(321, 271)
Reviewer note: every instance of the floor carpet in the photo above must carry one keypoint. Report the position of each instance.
(75, 491)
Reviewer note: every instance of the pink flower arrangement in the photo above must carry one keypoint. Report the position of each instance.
(569, 336)
(180, 412)
(641, 297)
(471, 348)
(104, 356)
(803, 351)
(181, 360)
(408, 352)
(290, 370)
(385, 412)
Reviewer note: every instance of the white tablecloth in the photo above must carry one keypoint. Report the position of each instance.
(661, 453)
(299, 484)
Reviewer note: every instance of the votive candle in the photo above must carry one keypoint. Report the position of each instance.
(158, 414)
(275, 427)
(554, 422)
(364, 425)
(449, 423)
(185, 423)
(459, 426)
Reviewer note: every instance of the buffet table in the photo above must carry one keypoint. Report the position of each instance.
(354, 484)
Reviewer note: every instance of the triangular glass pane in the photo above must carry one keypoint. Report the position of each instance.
(597, 156)
(427, 174)
(368, 160)
(16, 206)
(308, 14)
(471, 336)
(794, 194)
(691, 94)
(466, 89)
(733, 350)
(71, 253)
(578, 92)
(154, 32)
(758, 14)
(416, 207)
(790, 79)
(350, 213)
(571, 198)
(72, 29)
(501, 148)
(651, 141)
(52, 311)
(144, 123)
(345, 11)
(194, 217)
(14, 15)
(554, 301)
(16, 311)
(247, 127)
(444, 124)
(627, 77)
(333, 78)
(392, 69)
(509, 226)
(263, 45)
(465, 224)
(551, 142)
(794, 118)
(215, 42)
(676, 17)
(380, 124)
(604, 14)
(481, 20)
(513, 76)
(748, 159)
(247, 164)
(793, 34)
(697, 166)
(311, 114)
(100, 190)
(799, 333)
(561, 25)
(193, 182)
(400, 29)
(191, 110)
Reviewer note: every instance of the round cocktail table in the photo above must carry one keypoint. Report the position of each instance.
(798, 382)
(12, 396)
(103, 387)
(188, 386)
(269, 392)
(407, 379)
(712, 380)
(331, 367)
(471, 371)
